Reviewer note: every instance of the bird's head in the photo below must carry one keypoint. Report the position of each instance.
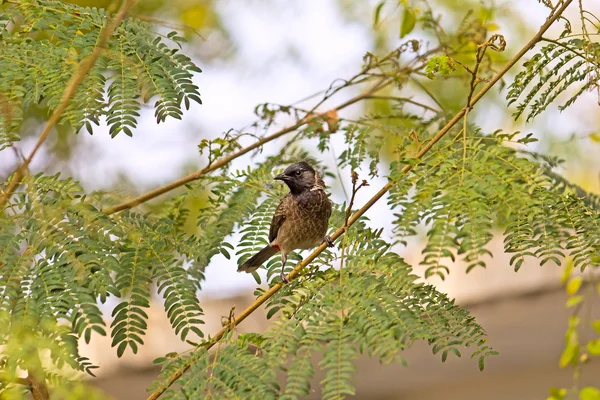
(300, 177)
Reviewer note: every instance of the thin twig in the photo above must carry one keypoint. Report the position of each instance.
(355, 190)
(311, 116)
(347, 214)
(424, 88)
(227, 159)
(298, 268)
(403, 100)
(481, 49)
(83, 69)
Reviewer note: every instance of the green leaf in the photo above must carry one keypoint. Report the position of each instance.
(574, 285)
(574, 300)
(272, 311)
(121, 349)
(593, 347)
(557, 394)
(377, 14)
(439, 63)
(409, 20)
(159, 360)
(589, 393)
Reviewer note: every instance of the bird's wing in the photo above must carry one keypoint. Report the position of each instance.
(278, 218)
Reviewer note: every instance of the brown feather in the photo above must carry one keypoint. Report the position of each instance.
(258, 259)
(279, 217)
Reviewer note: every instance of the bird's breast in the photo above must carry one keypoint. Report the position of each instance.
(306, 222)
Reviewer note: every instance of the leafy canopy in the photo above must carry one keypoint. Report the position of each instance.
(62, 257)
(42, 42)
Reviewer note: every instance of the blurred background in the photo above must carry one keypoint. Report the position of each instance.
(279, 51)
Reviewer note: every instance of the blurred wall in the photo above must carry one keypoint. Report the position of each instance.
(524, 315)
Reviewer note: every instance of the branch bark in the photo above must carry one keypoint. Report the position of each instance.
(37, 379)
(296, 271)
(39, 389)
(83, 69)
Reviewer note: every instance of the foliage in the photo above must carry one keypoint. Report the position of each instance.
(62, 257)
(462, 188)
(42, 42)
(60, 254)
(230, 372)
(374, 305)
(560, 65)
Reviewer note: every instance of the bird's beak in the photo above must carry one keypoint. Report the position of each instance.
(281, 177)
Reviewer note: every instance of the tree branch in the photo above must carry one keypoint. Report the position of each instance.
(226, 160)
(37, 379)
(38, 387)
(404, 100)
(296, 271)
(83, 69)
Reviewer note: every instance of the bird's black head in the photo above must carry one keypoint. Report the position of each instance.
(300, 177)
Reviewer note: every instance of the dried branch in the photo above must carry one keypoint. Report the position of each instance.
(311, 116)
(557, 12)
(227, 159)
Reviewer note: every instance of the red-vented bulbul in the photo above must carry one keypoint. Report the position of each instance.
(301, 219)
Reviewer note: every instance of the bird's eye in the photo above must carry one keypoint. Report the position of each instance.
(299, 172)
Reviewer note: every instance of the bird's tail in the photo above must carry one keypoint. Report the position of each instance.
(258, 259)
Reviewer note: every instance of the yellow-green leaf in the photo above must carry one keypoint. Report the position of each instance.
(557, 394)
(567, 269)
(492, 27)
(574, 300)
(409, 19)
(595, 137)
(574, 285)
(377, 14)
(593, 347)
(589, 393)
(569, 355)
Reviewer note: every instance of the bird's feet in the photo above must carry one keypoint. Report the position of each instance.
(329, 241)
(284, 279)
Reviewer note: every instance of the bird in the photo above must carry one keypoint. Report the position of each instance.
(301, 219)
